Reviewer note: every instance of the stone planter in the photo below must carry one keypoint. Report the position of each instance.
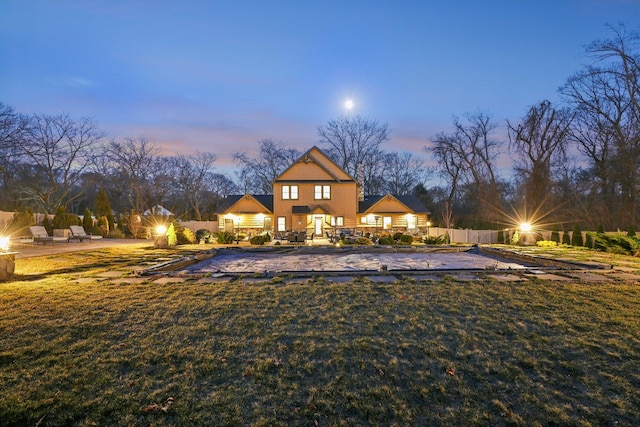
(7, 265)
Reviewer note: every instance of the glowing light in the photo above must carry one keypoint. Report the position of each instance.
(161, 229)
(348, 104)
(5, 243)
(525, 227)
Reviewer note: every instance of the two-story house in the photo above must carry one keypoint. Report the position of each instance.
(317, 196)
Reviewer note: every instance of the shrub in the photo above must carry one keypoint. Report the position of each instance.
(555, 236)
(116, 233)
(87, 220)
(63, 219)
(46, 223)
(257, 240)
(406, 239)
(576, 237)
(500, 236)
(397, 236)
(386, 240)
(103, 225)
(204, 235)
(20, 222)
(225, 237)
(566, 239)
(172, 237)
(546, 243)
(363, 241)
(600, 229)
(186, 236)
(436, 240)
(631, 231)
(588, 241)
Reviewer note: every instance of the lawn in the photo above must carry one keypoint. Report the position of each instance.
(76, 351)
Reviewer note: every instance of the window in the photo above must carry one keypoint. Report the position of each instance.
(411, 222)
(337, 221)
(282, 223)
(386, 222)
(289, 192)
(364, 220)
(322, 192)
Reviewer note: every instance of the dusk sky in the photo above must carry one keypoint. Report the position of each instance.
(219, 76)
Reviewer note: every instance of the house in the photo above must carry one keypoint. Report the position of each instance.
(317, 196)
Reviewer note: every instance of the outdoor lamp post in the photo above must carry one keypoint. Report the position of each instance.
(7, 258)
(160, 239)
(428, 225)
(238, 220)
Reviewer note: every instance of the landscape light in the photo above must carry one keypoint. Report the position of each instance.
(5, 243)
(525, 227)
(161, 229)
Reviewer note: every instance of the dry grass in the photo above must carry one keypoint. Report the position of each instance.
(104, 352)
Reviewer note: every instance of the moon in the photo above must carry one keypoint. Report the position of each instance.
(348, 104)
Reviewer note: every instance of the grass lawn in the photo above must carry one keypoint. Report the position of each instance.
(107, 352)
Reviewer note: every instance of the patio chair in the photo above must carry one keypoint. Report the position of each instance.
(77, 232)
(291, 237)
(40, 235)
(301, 237)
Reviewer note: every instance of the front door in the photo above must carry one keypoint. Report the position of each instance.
(318, 226)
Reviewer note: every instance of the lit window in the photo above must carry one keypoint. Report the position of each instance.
(386, 222)
(289, 192)
(411, 222)
(321, 192)
(282, 223)
(364, 220)
(294, 192)
(339, 221)
(286, 195)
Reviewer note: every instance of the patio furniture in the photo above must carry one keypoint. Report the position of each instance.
(40, 235)
(77, 232)
(301, 237)
(292, 237)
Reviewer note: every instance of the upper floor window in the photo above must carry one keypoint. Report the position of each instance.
(289, 192)
(322, 192)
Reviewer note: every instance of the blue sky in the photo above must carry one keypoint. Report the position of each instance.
(219, 76)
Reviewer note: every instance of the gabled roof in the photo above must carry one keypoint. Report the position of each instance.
(318, 158)
(410, 202)
(227, 204)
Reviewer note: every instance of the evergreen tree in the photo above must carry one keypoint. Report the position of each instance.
(103, 207)
(555, 235)
(600, 229)
(87, 221)
(588, 242)
(576, 237)
(500, 236)
(566, 240)
(631, 231)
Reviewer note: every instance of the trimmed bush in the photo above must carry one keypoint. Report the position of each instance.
(631, 231)
(566, 239)
(555, 236)
(204, 235)
(63, 219)
(20, 222)
(500, 236)
(436, 240)
(172, 237)
(576, 237)
(405, 239)
(546, 243)
(588, 241)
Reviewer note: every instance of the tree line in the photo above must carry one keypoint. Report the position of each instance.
(575, 162)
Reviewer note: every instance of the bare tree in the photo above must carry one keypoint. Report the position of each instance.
(403, 172)
(606, 97)
(58, 150)
(257, 174)
(12, 132)
(134, 161)
(189, 182)
(539, 140)
(354, 142)
(466, 159)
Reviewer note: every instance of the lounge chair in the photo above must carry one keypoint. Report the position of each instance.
(77, 232)
(40, 235)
